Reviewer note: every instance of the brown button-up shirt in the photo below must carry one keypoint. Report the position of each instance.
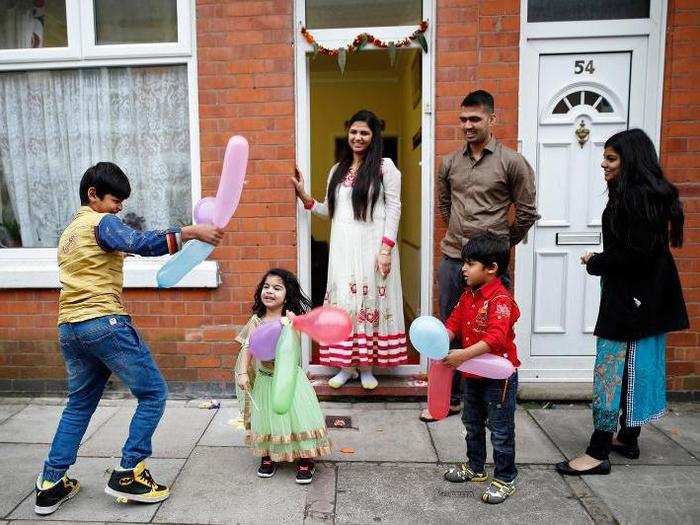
(475, 196)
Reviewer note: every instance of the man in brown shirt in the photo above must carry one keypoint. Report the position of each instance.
(477, 185)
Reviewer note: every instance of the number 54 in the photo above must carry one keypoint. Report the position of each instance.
(580, 66)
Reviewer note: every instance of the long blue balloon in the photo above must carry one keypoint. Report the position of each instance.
(430, 337)
(192, 253)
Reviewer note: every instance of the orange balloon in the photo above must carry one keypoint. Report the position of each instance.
(325, 324)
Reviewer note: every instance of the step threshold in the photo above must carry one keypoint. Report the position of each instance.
(389, 387)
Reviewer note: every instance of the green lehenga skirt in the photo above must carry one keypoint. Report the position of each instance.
(300, 433)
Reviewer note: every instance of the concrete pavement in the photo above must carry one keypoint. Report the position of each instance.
(390, 472)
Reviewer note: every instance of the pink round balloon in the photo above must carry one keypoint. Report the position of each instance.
(325, 324)
(204, 211)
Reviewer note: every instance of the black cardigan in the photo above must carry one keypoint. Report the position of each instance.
(641, 293)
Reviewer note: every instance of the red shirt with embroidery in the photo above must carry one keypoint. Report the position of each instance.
(487, 314)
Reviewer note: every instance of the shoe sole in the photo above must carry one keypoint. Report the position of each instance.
(135, 497)
(304, 481)
(467, 480)
(260, 475)
(44, 511)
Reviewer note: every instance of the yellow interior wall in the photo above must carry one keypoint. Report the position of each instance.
(332, 103)
(410, 159)
(334, 99)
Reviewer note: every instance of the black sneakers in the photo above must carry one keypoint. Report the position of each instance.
(136, 485)
(267, 467)
(49, 499)
(305, 471)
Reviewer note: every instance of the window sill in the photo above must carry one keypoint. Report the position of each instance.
(19, 270)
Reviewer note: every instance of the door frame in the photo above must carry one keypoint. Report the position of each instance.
(334, 38)
(645, 38)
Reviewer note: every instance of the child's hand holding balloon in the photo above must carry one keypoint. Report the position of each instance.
(455, 357)
(203, 232)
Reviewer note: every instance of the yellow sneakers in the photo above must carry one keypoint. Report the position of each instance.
(136, 485)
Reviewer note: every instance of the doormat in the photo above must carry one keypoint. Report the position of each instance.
(338, 422)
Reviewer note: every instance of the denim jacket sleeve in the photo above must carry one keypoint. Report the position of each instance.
(113, 235)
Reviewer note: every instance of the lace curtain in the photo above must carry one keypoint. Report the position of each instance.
(55, 124)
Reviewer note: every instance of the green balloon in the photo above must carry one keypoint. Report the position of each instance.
(284, 377)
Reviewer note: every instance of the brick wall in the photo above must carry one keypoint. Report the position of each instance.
(680, 156)
(477, 48)
(246, 87)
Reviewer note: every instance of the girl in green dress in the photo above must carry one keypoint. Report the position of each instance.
(300, 435)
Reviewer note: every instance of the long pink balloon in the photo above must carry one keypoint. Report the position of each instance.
(231, 182)
(439, 389)
(488, 365)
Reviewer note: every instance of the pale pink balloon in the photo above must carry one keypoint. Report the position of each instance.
(231, 181)
(488, 365)
(204, 211)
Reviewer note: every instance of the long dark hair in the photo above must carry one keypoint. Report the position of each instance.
(641, 196)
(369, 176)
(294, 300)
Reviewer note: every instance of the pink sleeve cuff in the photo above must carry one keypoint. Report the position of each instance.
(388, 242)
(310, 206)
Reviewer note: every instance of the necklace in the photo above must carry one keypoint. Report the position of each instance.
(350, 177)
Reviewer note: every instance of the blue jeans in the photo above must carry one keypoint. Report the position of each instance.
(451, 287)
(490, 403)
(92, 351)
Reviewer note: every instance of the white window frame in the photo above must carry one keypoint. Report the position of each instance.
(334, 38)
(38, 267)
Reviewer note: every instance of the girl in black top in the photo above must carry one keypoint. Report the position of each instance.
(641, 299)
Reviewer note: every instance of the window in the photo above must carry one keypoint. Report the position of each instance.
(326, 14)
(54, 124)
(31, 24)
(126, 22)
(579, 98)
(83, 81)
(569, 10)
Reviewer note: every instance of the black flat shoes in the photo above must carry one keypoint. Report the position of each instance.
(565, 469)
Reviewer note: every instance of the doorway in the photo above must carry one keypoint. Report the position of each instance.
(399, 90)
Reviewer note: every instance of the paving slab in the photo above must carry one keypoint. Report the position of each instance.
(37, 424)
(7, 411)
(375, 436)
(650, 494)
(531, 444)
(571, 429)
(92, 504)
(320, 497)
(219, 485)
(225, 429)
(684, 429)
(20, 464)
(176, 435)
(417, 494)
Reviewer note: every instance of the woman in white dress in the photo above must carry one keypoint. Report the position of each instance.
(363, 202)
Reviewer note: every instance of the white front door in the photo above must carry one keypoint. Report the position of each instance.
(583, 100)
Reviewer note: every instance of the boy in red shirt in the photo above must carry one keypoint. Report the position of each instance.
(484, 319)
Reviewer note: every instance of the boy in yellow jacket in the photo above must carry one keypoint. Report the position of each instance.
(97, 338)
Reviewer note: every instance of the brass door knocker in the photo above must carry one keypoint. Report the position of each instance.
(582, 133)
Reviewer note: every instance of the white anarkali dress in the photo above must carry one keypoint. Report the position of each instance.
(374, 303)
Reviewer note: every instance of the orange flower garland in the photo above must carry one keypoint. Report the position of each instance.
(365, 38)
